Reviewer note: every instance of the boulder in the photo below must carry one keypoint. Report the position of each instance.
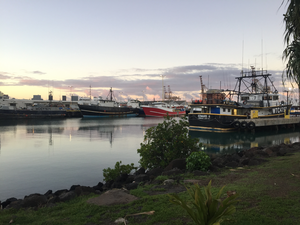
(142, 178)
(35, 200)
(132, 186)
(113, 197)
(200, 173)
(218, 162)
(176, 163)
(155, 172)
(174, 171)
(84, 190)
(232, 164)
(67, 196)
(253, 162)
(139, 171)
(122, 178)
(59, 192)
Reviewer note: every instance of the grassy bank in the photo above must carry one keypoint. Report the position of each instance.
(269, 194)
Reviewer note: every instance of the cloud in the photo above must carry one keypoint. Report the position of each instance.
(183, 81)
(38, 72)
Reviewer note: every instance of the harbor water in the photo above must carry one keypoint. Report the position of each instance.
(38, 155)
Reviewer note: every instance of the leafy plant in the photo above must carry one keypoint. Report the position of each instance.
(198, 161)
(112, 174)
(206, 209)
(167, 141)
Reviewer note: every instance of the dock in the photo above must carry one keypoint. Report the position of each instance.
(271, 122)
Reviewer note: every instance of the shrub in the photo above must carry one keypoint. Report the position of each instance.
(198, 161)
(167, 141)
(112, 174)
(205, 208)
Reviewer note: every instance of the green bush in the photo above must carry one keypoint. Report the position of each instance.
(206, 209)
(165, 142)
(198, 161)
(112, 174)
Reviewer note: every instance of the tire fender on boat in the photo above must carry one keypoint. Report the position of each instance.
(236, 124)
(244, 125)
(251, 125)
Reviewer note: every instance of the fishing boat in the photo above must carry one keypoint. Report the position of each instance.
(161, 109)
(254, 97)
(99, 107)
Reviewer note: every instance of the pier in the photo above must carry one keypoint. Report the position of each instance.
(269, 122)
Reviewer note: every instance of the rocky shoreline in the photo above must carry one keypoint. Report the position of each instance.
(251, 157)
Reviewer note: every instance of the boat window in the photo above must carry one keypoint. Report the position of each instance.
(228, 110)
(224, 110)
(244, 98)
(12, 104)
(275, 97)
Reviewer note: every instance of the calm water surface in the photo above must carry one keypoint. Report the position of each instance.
(38, 155)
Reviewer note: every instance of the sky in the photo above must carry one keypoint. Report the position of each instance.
(78, 47)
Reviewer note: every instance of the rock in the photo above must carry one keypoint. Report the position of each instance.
(174, 171)
(176, 163)
(142, 177)
(84, 190)
(269, 151)
(199, 173)
(155, 172)
(7, 202)
(168, 182)
(132, 186)
(232, 164)
(34, 201)
(53, 199)
(116, 185)
(112, 197)
(73, 187)
(108, 184)
(59, 192)
(139, 171)
(15, 204)
(129, 179)
(244, 161)
(218, 162)
(122, 178)
(67, 196)
(282, 152)
(98, 187)
(213, 168)
(49, 192)
(253, 162)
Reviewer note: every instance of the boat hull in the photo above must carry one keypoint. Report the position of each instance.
(104, 111)
(221, 123)
(158, 112)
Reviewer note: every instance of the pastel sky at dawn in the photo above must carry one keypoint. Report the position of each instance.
(66, 46)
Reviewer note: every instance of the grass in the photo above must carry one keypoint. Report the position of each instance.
(269, 194)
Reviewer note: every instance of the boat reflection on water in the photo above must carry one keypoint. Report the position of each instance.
(222, 143)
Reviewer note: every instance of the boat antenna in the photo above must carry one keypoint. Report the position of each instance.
(262, 65)
(243, 57)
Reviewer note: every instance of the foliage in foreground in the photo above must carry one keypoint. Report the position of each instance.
(112, 174)
(198, 161)
(206, 209)
(165, 142)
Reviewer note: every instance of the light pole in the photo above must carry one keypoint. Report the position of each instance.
(162, 81)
